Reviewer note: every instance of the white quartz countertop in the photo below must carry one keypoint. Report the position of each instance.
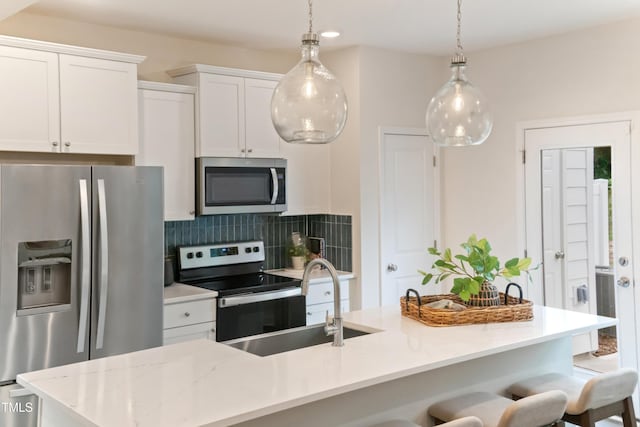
(316, 276)
(207, 383)
(179, 292)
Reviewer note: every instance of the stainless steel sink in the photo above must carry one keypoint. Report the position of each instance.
(287, 340)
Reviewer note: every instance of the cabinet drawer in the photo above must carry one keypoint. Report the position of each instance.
(189, 313)
(188, 333)
(323, 292)
(317, 313)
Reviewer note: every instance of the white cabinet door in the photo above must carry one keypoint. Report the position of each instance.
(221, 116)
(167, 139)
(261, 138)
(99, 105)
(308, 172)
(317, 313)
(29, 105)
(189, 333)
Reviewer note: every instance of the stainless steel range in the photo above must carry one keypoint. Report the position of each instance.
(250, 301)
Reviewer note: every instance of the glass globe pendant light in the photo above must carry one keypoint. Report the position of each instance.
(309, 105)
(458, 114)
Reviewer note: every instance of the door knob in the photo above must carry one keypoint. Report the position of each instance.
(392, 267)
(623, 261)
(559, 255)
(624, 282)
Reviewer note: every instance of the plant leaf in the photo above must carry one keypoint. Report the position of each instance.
(524, 263)
(427, 278)
(511, 263)
(434, 251)
(474, 285)
(464, 295)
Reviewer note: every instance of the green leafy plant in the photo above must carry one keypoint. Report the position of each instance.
(472, 268)
(298, 250)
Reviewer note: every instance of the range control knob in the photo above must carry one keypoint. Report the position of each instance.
(247, 250)
(198, 254)
(256, 249)
(190, 255)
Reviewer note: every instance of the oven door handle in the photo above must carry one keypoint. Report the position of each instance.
(257, 297)
(276, 189)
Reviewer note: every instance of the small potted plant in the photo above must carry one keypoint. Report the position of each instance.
(474, 271)
(297, 251)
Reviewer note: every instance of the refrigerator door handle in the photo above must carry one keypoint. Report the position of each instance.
(85, 273)
(274, 182)
(103, 274)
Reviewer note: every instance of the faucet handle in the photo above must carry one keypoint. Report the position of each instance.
(330, 327)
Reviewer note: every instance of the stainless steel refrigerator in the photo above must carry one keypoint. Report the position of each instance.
(81, 269)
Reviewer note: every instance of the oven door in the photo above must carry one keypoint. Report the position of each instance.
(239, 316)
(229, 185)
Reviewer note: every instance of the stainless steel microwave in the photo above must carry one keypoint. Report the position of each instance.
(226, 185)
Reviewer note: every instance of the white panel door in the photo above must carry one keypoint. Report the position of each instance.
(220, 116)
(552, 234)
(167, 139)
(567, 235)
(261, 138)
(616, 135)
(99, 106)
(408, 220)
(29, 105)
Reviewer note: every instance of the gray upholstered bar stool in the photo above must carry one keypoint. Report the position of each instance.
(462, 422)
(497, 411)
(602, 396)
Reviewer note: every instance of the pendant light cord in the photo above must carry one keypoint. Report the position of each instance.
(311, 16)
(459, 46)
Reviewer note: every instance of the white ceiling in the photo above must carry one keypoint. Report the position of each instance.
(421, 26)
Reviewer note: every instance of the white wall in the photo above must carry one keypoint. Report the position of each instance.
(393, 89)
(163, 52)
(586, 72)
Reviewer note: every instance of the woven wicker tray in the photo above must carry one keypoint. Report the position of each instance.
(511, 309)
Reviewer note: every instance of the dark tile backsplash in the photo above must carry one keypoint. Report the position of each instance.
(273, 230)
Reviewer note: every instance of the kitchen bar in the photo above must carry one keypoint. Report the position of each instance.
(396, 370)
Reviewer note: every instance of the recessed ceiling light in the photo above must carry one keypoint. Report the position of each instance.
(330, 34)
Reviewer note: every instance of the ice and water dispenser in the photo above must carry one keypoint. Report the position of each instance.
(44, 276)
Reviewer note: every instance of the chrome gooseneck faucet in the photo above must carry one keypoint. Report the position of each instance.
(334, 328)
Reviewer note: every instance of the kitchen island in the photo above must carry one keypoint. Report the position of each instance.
(398, 370)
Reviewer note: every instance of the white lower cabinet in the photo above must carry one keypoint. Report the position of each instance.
(189, 320)
(320, 300)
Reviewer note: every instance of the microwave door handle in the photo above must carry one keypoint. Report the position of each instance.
(85, 269)
(274, 182)
(103, 274)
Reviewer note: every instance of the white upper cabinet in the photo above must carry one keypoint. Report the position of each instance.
(167, 126)
(308, 177)
(99, 104)
(221, 115)
(59, 98)
(233, 111)
(261, 138)
(29, 105)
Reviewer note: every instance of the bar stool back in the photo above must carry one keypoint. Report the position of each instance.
(462, 422)
(600, 397)
(498, 411)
